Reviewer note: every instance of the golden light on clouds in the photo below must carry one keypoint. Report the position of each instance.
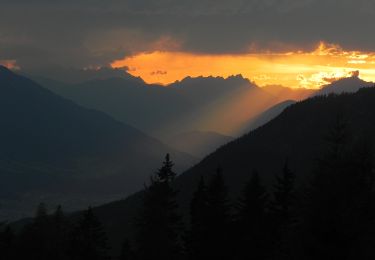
(294, 69)
(10, 64)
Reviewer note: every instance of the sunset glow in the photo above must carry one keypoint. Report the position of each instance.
(10, 64)
(323, 65)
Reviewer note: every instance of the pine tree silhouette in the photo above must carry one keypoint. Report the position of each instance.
(59, 234)
(199, 218)
(339, 219)
(34, 239)
(284, 194)
(7, 240)
(283, 207)
(127, 252)
(89, 240)
(159, 225)
(41, 217)
(219, 244)
(252, 222)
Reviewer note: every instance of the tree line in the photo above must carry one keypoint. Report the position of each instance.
(332, 216)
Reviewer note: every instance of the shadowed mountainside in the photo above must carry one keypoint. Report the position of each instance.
(298, 133)
(345, 85)
(50, 145)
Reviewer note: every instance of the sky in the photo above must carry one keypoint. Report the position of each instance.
(299, 43)
(314, 69)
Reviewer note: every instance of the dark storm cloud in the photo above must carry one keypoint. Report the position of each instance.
(82, 33)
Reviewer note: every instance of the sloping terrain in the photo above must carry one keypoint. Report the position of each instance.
(49, 146)
(298, 133)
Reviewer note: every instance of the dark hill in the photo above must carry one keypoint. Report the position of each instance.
(298, 133)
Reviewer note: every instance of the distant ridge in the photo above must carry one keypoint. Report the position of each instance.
(345, 85)
(160, 111)
(289, 93)
(50, 145)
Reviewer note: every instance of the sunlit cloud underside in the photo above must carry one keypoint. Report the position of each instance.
(325, 64)
(10, 64)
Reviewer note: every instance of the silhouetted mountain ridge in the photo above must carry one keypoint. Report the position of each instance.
(289, 93)
(192, 103)
(344, 85)
(75, 76)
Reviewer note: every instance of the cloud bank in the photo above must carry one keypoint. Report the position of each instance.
(82, 33)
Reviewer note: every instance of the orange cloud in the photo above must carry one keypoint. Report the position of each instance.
(295, 69)
(10, 64)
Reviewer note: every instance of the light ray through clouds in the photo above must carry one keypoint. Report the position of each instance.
(328, 62)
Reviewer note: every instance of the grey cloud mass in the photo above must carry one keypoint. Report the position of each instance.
(82, 33)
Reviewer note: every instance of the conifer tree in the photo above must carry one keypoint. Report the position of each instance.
(41, 218)
(159, 225)
(199, 219)
(283, 211)
(339, 219)
(219, 243)
(7, 240)
(127, 252)
(284, 194)
(252, 221)
(34, 239)
(89, 241)
(40, 233)
(218, 198)
(59, 234)
(254, 201)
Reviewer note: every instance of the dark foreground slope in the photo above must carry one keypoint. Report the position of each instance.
(298, 134)
(54, 150)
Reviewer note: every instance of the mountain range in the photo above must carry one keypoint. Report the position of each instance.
(57, 151)
(344, 85)
(222, 105)
(289, 93)
(50, 144)
(192, 104)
